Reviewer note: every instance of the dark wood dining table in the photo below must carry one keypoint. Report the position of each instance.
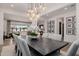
(45, 46)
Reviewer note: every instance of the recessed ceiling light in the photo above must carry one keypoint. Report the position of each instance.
(65, 8)
(12, 5)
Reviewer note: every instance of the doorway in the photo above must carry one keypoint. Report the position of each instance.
(61, 28)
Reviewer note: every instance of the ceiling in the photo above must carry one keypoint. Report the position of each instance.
(60, 11)
(23, 7)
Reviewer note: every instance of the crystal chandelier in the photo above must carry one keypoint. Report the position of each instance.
(35, 9)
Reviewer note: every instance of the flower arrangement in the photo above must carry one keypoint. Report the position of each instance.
(32, 33)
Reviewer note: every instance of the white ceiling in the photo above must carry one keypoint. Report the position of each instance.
(17, 6)
(60, 11)
(22, 7)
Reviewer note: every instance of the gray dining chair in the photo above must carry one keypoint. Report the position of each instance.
(73, 48)
(24, 47)
(71, 51)
(14, 38)
(17, 46)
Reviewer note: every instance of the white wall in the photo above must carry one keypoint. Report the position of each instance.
(5, 26)
(56, 18)
(67, 38)
(1, 27)
(77, 23)
(77, 20)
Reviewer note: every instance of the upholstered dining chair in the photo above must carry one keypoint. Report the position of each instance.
(73, 48)
(17, 47)
(71, 51)
(24, 49)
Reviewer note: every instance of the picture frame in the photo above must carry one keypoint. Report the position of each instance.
(69, 19)
(70, 25)
(69, 32)
(48, 26)
(51, 26)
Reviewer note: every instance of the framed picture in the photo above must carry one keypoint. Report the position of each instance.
(69, 19)
(69, 32)
(70, 25)
(50, 26)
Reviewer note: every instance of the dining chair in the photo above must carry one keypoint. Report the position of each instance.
(24, 47)
(73, 48)
(71, 51)
(14, 39)
(17, 47)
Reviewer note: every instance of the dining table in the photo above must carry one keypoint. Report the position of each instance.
(46, 46)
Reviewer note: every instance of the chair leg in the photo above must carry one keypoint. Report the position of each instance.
(17, 52)
(15, 48)
(21, 53)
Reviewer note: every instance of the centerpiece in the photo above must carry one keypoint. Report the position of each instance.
(32, 35)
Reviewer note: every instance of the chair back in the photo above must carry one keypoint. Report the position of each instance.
(24, 47)
(73, 48)
(15, 38)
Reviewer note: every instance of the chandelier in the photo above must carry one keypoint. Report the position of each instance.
(35, 9)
